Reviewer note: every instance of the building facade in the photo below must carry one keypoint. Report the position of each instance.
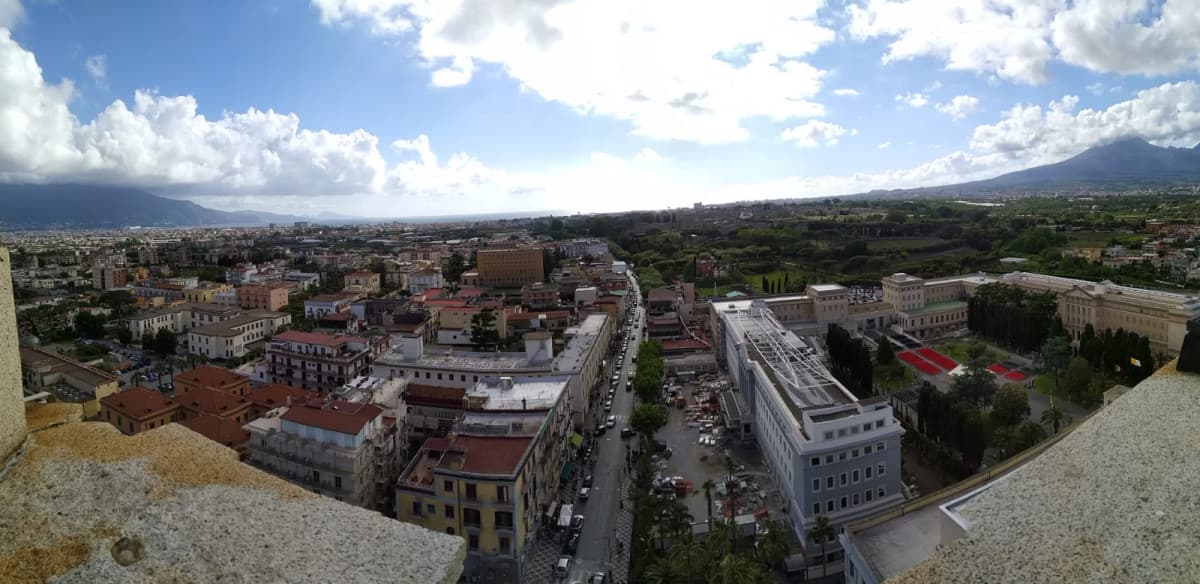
(362, 281)
(264, 296)
(320, 362)
(234, 337)
(509, 267)
(68, 380)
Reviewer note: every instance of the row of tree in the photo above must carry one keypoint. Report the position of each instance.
(850, 361)
(1124, 354)
(647, 382)
(1011, 316)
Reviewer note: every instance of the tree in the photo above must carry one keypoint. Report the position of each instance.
(886, 354)
(773, 544)
(647, 419)
(820, 533)
(1010, 406)
(1077, 380)
(120, 302)
(124, 336)
(164, 342)
(765, 289)
(483, 330)
(1189, 353)
(89, 325)
(1053, 417)
(976, 386)
(708, 487)
(1053, 357)
(455, 266)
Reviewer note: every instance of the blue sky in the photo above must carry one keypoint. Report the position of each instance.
(412, 107)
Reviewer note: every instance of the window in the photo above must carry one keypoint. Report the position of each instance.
(843, 503)
(854, 475)
(449, 512)
(828, 482)
(829, 506)
(316, 476)
(867, 472)
(843, 479)
(448, 486)
(854, 453)
(870, 494)
(841, 432)
(505, 545)
(816, 508)
(504, 519)
(867, 427)
(828, 459)
(854, 430)
(816, 461)
(854, 499)
(416, 508)
(816, 485)
(471, 492)
(879, 446)
(842, 455)
(471, 517)
(867, 449)
(439, 376)
(473, 542)
(829, 435)
(882, 492)
(880, 469)
(502, 494)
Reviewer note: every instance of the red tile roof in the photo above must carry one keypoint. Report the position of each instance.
(212, 401)
(138, 402)
(470, 292)
(223, 431)
(433, 396)
(490, 454)
(274, 395)
(335, 415)
(209, 376)
(433, 293)
(316, 338)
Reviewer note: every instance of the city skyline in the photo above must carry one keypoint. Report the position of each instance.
(407, 108)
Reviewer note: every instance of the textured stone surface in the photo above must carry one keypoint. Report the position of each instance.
(185, 510)
(1115, 501)
(12, 409)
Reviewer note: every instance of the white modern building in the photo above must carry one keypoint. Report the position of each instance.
(831, 454)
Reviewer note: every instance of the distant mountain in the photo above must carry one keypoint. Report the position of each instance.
(1128, 162)
(24, 206)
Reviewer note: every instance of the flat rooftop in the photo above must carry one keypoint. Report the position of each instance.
(526, 393)
(581, 339)
(456, 360)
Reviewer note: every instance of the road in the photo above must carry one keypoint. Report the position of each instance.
(601, 510)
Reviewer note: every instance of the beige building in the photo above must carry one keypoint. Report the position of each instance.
(336, 448)
(264, 296)
(233, 338)
(68, 380)
(509, 267)
(362, 282)
(205, 293)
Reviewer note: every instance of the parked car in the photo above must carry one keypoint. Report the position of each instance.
(612, 421)
(600, 429)
(608, 406)
(584, 493)
(598, 578)
(587, 480)
(572, 545)
(577, 524)
(563, 566)
(626, 432)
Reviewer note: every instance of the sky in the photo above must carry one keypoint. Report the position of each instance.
(394, 108)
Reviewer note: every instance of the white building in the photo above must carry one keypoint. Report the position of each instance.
(830, 454)
(232, 338)
(422, 280)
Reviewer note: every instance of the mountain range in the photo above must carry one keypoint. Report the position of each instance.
(1128, 163)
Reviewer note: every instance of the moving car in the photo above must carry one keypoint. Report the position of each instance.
(608, 406)
(612, 421)
(626, 432)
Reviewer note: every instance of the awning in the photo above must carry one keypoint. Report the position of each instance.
(567, 468)
(576, 440)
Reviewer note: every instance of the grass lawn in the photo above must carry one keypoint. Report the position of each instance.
(1044, 384)
(957, 350)
(893, 377)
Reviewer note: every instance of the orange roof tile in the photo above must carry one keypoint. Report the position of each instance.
(209, 376)
(335, 415)
(139, 403)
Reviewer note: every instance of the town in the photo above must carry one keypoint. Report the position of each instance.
(675, 396)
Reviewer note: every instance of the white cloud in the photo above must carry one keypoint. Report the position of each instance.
(959, 107)
(1016, 39)
(884, 145)
(1096, 88)
(913, 100)
(675, 69)
(10, 13)
(648, 155)
(815, 133)
(846, 92)
(97, 68)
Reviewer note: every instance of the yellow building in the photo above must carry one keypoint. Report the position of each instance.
(204, 294)
(68, 380)
(496, 476)
(509, 267)
(459, 318)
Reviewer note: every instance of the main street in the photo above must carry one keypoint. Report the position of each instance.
(605, 519)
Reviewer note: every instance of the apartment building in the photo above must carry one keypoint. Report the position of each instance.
(539, 295)
(362, 281)
(426, 279)
(495, 475)
(320, 305)
(224, 431)
(235, 337)
(205, 293)
(264, 296)
(318, 361)
(138, 409)
(454, 323)
(304, 280)
(168, 291)
(66, 379)
(332, 447)
(273, 395)
(583, 247)
(178, 319)
(218, 378)
(831, 454)
(509, 266)
(109, 278)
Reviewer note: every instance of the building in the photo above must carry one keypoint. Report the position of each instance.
(108, 278)
(577, 248)
(538, 295)
(341, 449)
(1119, 488)
(454, 326)
(178, 318)
(422, 280)
(305, 280)
(496, 475)
(432, 408)
(205, 293)
(224, 431)
(367, 282)
(273, 395)
(233, 338)
(831, 455)
(66, 379)
(264, 296)
(168, 291)
(138, 409)
(318, 361)
(509, 266)
(323, 304)
(218, 378)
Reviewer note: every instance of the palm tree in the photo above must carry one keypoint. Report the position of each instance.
(773, 545)
(687, 558)
(1053, 417)
(708, 487)
(821, 533)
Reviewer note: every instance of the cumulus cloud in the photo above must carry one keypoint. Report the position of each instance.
(1017, 39)
(97, 68)
(10, 13)
(846, 92)
(675, 70)
(959, 107)
(911, 99)
(815, 133)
